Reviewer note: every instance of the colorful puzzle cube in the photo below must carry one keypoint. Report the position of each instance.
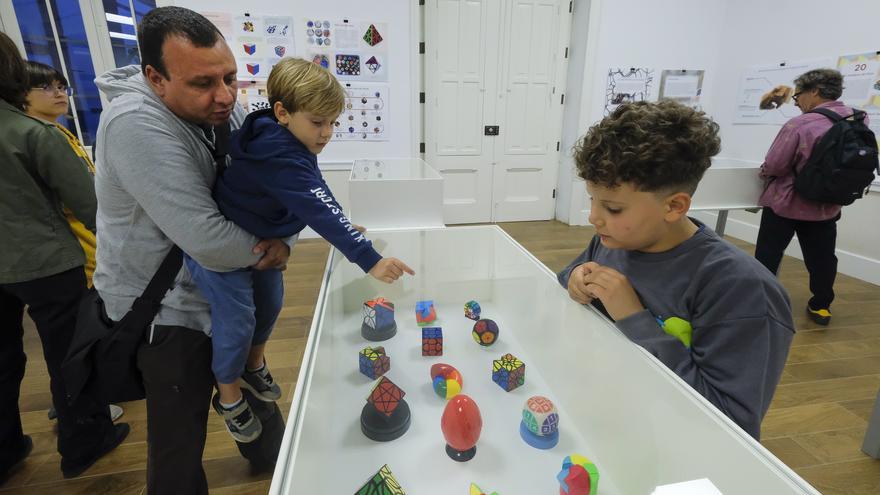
(432, 341)
(378, 313)
(475, 490)
(425, 313)
(508, 372)
(579, 476)
(249, 48)
(254, 69)
(540, 416)
(485, 332)
(373, 362)
(385, 396)
(381, 483)
(472, 310)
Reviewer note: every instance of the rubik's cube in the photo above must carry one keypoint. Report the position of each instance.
(385, 396)
(379, 313)
(249, 48)
(432, 341)
(508, 372)
(472, 310)
(253, 68)
(381, 483)
(425, 313)
(373, 362)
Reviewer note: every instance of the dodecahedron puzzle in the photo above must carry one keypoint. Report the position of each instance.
(432, 341)
(381, 483)
(508, 372)
(385, 396)
(540, 416)
(485, 332)
(373, 362)
(425, 313)
(472, 310)
(379, 313)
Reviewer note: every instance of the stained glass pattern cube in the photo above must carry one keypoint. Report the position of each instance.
(373, 362)
(425, 313)
(508, 372)
(382, 483)
(379, 313)
(432, 341)
(385, 396)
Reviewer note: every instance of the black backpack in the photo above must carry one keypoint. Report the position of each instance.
(843, 162)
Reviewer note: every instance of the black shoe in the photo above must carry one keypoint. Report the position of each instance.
(819, 316)
(74, 469)
(26, 448)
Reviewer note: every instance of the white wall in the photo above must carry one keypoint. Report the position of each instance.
(675, 34)
(724, 37)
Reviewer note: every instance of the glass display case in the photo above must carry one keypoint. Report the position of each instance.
(624, 410)
(395, 193)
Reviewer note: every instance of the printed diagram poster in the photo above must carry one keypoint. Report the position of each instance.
(253, 98)
(352, 50)
(683, 86)
(628, 85)
(257, 41)
(364, 117)
(861, 85)
(765, 95)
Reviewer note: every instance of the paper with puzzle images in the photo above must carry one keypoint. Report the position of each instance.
(352, 50)
(364, 117)
(765, 92)
(625, 85)
(258, 42)
(861, 86)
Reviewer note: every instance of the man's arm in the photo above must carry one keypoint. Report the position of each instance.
(159, 172)
(782, 154)
(65, 173)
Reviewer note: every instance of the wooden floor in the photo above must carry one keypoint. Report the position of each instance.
(815, 424)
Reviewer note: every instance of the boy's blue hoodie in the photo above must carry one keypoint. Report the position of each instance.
(274, 189)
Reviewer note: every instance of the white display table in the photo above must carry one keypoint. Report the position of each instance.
(637, 421)
(728, 185)
(395, 193)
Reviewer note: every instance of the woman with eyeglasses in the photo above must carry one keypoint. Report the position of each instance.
(41, 269)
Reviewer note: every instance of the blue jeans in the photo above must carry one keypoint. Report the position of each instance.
(244, 306)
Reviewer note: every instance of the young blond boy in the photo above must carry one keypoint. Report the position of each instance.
(703, 307)
(274, 189)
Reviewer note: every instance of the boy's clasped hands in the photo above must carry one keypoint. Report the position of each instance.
(593, 281)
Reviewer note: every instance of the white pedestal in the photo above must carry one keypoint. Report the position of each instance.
(397, 193)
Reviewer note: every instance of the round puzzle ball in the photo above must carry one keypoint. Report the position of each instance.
(485, 332)
(446, 380)
(540, 416)
(472, 310)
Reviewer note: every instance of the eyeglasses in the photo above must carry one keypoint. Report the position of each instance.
(796, 96)
(50, 89)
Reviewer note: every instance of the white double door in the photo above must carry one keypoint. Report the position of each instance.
(495, 63)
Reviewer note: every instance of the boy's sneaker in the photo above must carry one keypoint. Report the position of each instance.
(242, 423)
(820, 316)
(260, 384)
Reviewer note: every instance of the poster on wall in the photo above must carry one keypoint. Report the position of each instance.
(257, 41)
(364, 117)
(861, 87)
(628, 85)
(352, 50)
(765, 92)
(683, 86)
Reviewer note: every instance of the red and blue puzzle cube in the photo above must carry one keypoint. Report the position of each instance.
(373, 362)
(425, 313)
(379, 313)
(432, 341)
(508, 372)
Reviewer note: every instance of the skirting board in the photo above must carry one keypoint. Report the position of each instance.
(854, 265)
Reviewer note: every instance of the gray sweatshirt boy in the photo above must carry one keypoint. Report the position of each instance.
(154, 179)
(739, 313)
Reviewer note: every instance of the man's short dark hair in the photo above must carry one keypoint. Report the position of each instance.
(161, 23)
(13, 76)
(657, 147)
(42, 74)
(829, 82)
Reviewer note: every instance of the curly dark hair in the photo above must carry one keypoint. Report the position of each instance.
(657, 147)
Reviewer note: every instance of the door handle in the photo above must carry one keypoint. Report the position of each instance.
(458, 170)
(524, 169)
